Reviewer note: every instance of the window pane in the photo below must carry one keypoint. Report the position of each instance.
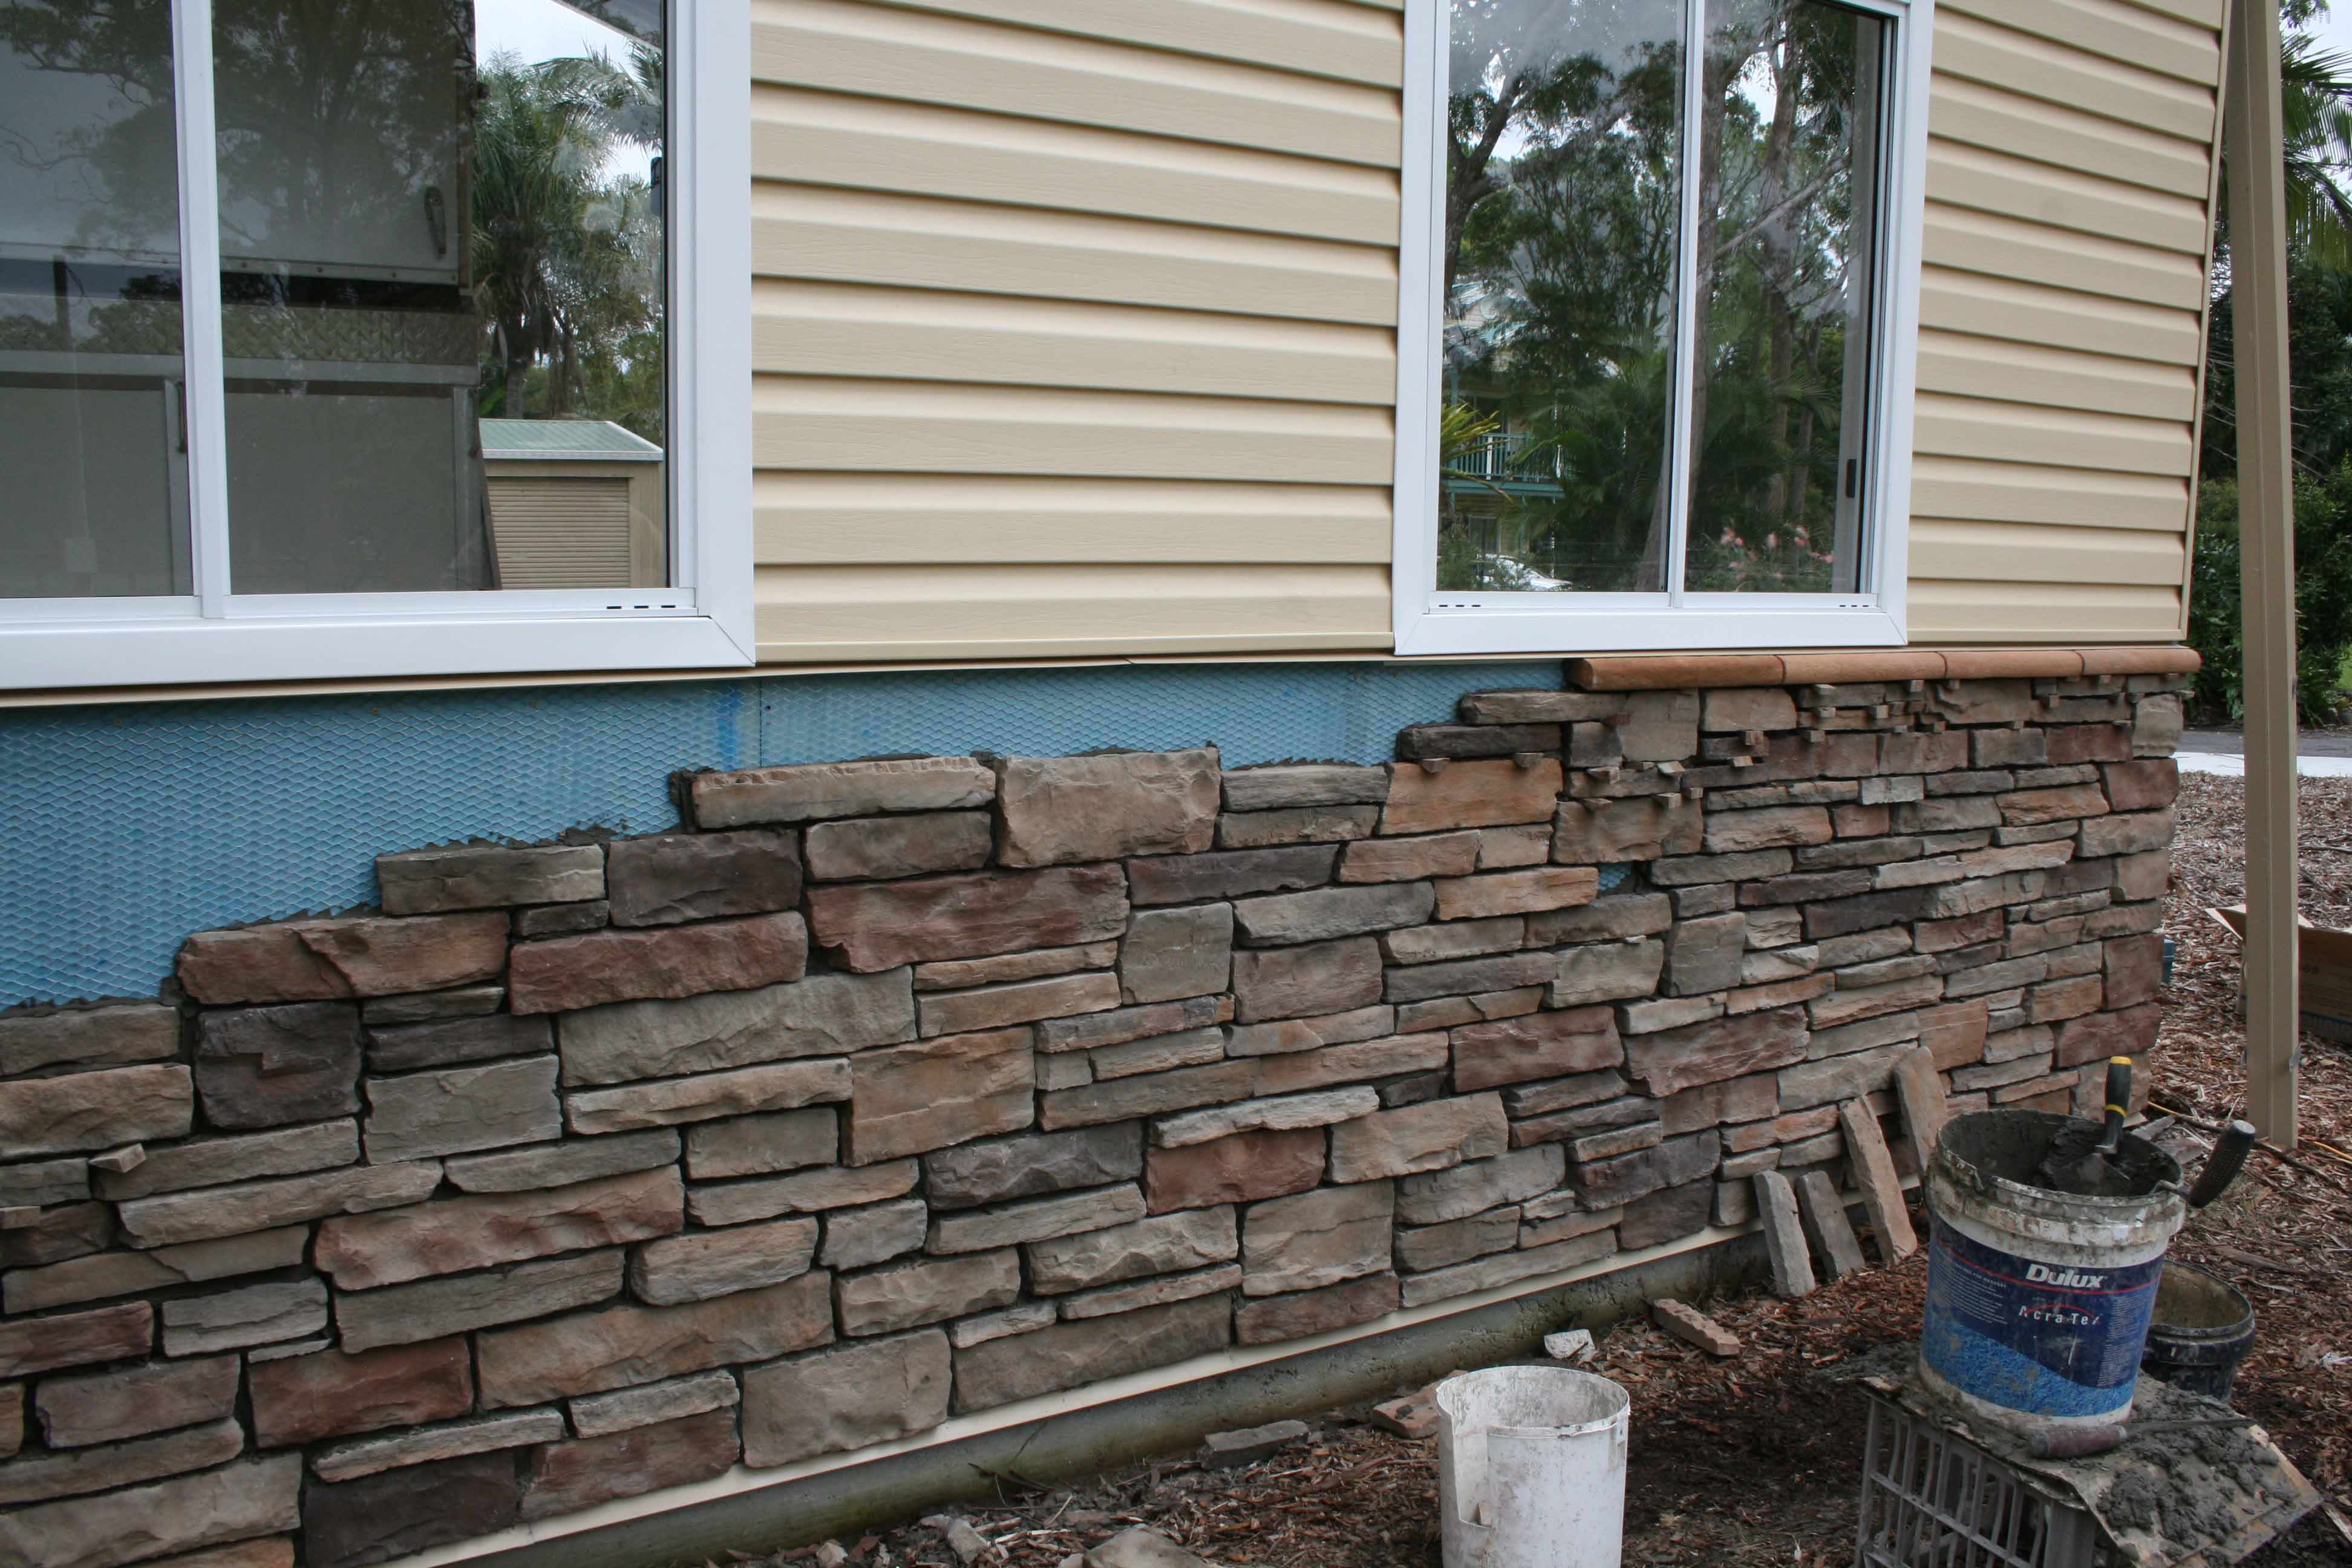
(1787, 168)
(1561, 198)
(442, 232)
(92, 460)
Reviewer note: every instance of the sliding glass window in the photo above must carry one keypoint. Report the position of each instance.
(1661, 294)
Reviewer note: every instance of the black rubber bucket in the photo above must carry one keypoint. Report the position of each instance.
(2202, 1329)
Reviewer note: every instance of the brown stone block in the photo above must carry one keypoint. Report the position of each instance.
(1469, 795)
(450, 1110)
(707, 1097)
(404, 1048)
(1610, 832)
(679, 877)
(1432, 1136)
(100, 1110)
(322, 960)
(75, 1338)
(1463, 742)
(2145, 786)
(1540, 1046)
(1614, 1183)
(811, 791)
(256, 1497)
(2135, 968)
(1271, 1319)
(350, 1524)
(359, 1252)
(1517, 893)
(1060, 810)
(831, 1401)
(930, 1093)
(454, 1304)
(1767, 828)
(488, 876)
(207, 1213)
(2071, 744)
(881, 848)
(1410, 859)
(1184, 878)
(2130, 833)
(88, 1037)
(1307, 982)
(302, 1399)
(1646, 672)
(132, 1401)
(591, 1352)
(1325, 914)
(1955, 1034)
(2069, 998)
(2129, 1033)
(1283, 786)
(2063, 804)
(563, 1477)
(1675, 1059)
(1088, 1350)
(75, 1230)
(1243, 1168)
(882, 926)
(565, 973)
(1666, 1215)
(1470, 977)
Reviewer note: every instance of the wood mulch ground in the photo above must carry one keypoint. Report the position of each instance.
(1754, 1460)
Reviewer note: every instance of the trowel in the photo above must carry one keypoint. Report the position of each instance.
(2092, 1173)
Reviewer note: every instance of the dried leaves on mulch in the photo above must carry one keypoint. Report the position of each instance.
(1753, 1460)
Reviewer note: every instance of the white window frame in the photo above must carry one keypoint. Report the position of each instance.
(704, 621)
(1429, 622)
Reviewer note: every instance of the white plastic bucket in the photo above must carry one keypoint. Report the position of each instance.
(1531, 1468)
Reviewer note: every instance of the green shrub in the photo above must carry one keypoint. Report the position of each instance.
(2322, 597)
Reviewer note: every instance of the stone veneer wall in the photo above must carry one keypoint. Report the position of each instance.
(907, 1087)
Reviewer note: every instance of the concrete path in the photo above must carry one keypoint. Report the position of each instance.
(2233, 742)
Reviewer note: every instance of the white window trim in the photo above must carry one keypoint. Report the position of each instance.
(1427, 622)
(705, 621)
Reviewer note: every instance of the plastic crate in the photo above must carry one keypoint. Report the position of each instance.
(1933, 1500)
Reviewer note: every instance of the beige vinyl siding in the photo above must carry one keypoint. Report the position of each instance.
(1072, 326)
(2062, 318)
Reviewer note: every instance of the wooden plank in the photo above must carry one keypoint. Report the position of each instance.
(1994, 490)
(1874, 1174)
(1784, 1237)
(1327, 37)
(1925, 1109)
(1968, 239)
(1994, 609)
(2019, 62)
(1828, 1227)
(2001, 183)
(2000, 372)
(1968, 113)
(2258, 229)
(2043, 554)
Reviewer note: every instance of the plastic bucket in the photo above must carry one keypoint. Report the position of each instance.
(1531, 1468)
(2202, 1329)
(2038, 1301)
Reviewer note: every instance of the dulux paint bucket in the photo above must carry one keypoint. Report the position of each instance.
(2039, 1302)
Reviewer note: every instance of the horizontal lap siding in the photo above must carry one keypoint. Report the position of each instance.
(2061, 306)
(1073, 327)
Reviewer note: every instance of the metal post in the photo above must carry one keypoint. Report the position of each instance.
(2253, 135)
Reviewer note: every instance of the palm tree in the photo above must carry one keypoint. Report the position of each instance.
(2315, 99)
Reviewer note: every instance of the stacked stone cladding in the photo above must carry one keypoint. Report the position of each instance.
(891, 1089)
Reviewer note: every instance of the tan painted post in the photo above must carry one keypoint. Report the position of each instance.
(2253, 132)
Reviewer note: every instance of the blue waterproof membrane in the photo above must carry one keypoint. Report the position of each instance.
(131, 825)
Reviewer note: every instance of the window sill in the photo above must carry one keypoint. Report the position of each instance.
(119, 653)
(1535, 623)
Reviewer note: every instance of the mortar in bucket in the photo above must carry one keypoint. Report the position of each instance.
(1531, 1468)
(2039, 1301)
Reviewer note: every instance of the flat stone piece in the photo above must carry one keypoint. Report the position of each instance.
(1874, 1172)
(875, 1233)
(1827, 1226)
(1417, 1137)
(482, 1435)
(359, 1252)
(960, 973)
(255, 1497)
(1470, 794)
(88, 1037)
(322, 960)
(708, 1263)
(823, 1015)
(265, 1066)
(38, 1183)
(1411, 859)
(131, 1402)
(1515, 892)
(1026, 1318)
(451, 1111)
(1237, 1169)
(1439, 1196)
(407, 1047)
(333, 1393)
(1693, 1327)
(564, 974)
(926, 1290)
(762, 1145)
(1307, 982)
(1613, 1183)
(1288, 1035)
(1675, 1059)
(55, 1235)
(1089, 1350)
(1318, 1238)
(575, 1160)
(105, 1274)
(831, 1187)
(1160, 1244)
(647, 1404)
(1020, 1002)
(98, 1109)
(209, 1212)
(1307, 825)
(1536, 1045)
(1417, 741)
(565, 1477)
(832, 1401)
(1304, 783)
(1784, 1237)
(1703, 955)
(252, 1315)
(590, 1352)
(1326, 913)
(877, 849)
(431, 1007)
(1169, 954)
(1920, 1088)
(1284, 1112)
(679, 877)
(1271, 1319)
(1506, 1268)
(707, 1097)
(1035, 1219)
(348, 1524)
(1606, 971)
(488, 876)
(1187, 878)
(1004, 1168)
(1611, 832)
(1058, 810)
(403, 1314)
(815, 790)
(931, 1093)
(926, 919)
